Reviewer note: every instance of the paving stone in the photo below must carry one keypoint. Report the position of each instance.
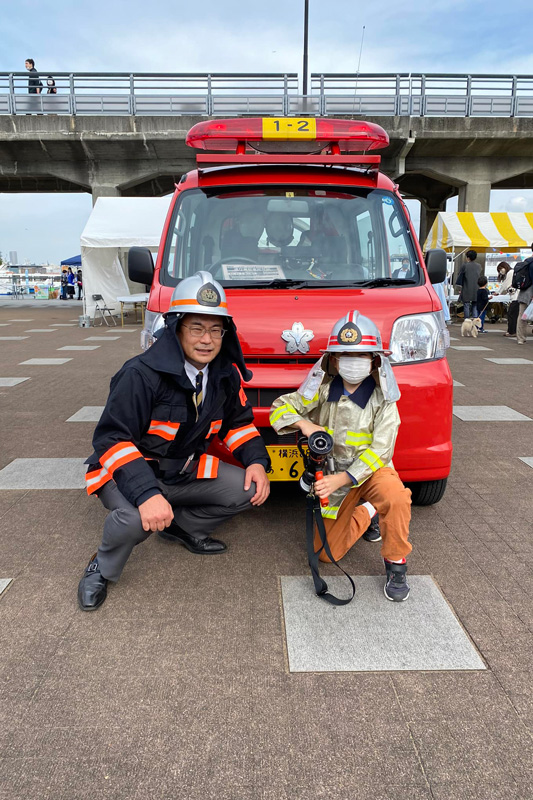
(102, 338)
(21, 320)
(469, 347)
(63, 325)
(79, 347)
(12, 338)
(12, 381)
(372, 633)
(456, 383)
(516, 361)
(44, 473)
(87, 414)
(488, 414)
(527, 460)
(4, 583)
(39, 330)
(45, 362)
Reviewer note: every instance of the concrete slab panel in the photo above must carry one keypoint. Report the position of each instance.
(5, 324)
(87, 414)
(4, 583)
(79, 347)
(39, 330)
(21, 320)
(456, 383)
(45, 361)
(63, 325)
(509, 360)
(527, 460)
(12, 381)
(44, 473)
(489, 414)
(12, 338)
(101, 338)
(469, 347)
(372, 634)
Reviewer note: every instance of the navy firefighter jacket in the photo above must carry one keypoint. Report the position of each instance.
(149, 431)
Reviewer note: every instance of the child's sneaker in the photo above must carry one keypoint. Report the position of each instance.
(396, 587)
(373, 533)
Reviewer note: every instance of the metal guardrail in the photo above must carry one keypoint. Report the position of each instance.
(234, 94)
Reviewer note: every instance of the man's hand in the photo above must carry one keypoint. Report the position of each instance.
(255, 473)
(156, 513)
(330, 483)
(307, 428)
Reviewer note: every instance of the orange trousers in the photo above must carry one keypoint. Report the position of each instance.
(391, 500)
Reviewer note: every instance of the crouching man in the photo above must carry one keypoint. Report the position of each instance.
(150, 466)
(352, 395)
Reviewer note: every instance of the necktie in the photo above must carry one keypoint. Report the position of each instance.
(198, 393)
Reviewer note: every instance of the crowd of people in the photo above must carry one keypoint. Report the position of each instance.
(71, 281)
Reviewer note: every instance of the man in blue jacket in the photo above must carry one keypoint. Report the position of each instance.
(150, 466)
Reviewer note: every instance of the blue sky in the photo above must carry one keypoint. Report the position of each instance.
(229, 36)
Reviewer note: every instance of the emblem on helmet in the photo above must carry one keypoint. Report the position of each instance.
(349, 334)
(297, 338)
(208, 295)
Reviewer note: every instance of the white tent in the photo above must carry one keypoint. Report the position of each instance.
(115, 225)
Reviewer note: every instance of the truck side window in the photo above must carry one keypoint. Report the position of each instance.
(400, 261)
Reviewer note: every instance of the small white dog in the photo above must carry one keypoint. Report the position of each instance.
(471, 327)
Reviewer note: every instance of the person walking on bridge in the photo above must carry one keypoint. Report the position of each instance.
(150, 466)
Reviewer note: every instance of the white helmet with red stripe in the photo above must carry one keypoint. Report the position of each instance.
(354, 333)
(199, 294)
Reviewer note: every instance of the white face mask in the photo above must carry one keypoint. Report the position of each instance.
(354, 370)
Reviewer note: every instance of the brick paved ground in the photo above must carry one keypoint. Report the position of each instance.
(178, 685)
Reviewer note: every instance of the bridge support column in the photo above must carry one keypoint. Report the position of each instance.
(474, 196)
(427, 218)
(104, 190)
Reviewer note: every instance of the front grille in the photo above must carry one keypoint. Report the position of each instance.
(263, 398)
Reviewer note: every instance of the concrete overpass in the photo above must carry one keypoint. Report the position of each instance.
(431, 158)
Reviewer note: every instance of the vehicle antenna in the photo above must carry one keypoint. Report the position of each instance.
(358, 68)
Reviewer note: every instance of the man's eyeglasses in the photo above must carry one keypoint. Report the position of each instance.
(197, 331)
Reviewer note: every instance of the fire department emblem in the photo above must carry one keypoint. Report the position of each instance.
(208, 295)
(297, 338)
(349, 334)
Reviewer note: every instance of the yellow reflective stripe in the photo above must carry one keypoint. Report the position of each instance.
(358, 438)
(371, 459)
(279, 412)
(328, 430)
(307, 402)
(330, 512)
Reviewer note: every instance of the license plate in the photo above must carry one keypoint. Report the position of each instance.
(287, 463)
(289, 128)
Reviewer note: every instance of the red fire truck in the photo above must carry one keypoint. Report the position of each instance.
(294, 218)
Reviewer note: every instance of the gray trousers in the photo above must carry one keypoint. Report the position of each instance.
(199, 507)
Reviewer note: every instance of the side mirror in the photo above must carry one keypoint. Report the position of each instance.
(436, 265)
(140, 265)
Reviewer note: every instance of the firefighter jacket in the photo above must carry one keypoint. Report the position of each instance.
(149, 431)
(364, 427)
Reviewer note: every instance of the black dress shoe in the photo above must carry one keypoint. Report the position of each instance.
(204, 547)
(92, 590)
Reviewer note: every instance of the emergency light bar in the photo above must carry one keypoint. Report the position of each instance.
(273, 135)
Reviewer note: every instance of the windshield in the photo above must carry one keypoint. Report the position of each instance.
(279, 237)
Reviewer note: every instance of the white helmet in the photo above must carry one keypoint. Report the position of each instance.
(199, 294)
(356, 333)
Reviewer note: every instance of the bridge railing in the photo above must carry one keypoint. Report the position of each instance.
(232, 94)
(150, 94)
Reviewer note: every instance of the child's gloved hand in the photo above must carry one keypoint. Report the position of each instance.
(330, 483)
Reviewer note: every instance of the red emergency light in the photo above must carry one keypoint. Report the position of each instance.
(287, 135)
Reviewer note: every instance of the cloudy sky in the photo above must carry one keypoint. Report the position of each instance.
(231, 36)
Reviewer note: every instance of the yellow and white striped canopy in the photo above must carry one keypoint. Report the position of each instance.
(480, 230)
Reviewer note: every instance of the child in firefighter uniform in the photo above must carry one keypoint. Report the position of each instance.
(352, 395)
(150, 466)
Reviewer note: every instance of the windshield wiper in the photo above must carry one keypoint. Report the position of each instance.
(283, 283)
(387, 282)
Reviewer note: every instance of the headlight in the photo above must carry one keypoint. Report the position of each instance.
(421, 337)
(153, 322)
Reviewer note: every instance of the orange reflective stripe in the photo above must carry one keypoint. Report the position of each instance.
(118, 455)
(207, 467)
(239, 436)
(195, 303)
(242, 396)
(96, 479)
(167, 430)
(215, 427)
